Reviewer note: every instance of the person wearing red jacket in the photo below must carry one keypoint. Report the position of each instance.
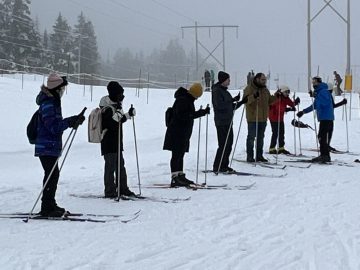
(276, 116)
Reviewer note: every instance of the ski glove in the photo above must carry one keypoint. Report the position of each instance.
(237, 97)
(132, 112)
(343, 102)
(207, 110)
(256, 94)
(278, 94)
(290, 109)
(75, 121)
(297, 101)
(299, 114)
(244, 100)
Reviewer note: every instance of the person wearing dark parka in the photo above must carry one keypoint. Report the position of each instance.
(179, 130)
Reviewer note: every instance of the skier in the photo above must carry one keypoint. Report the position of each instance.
(276, 116)
(113, 116)
(178, 132)
(48, 146)
(212, 75)
(338, 80)
(224, 105)
(323, 104)
(207, 77)
(257, 110)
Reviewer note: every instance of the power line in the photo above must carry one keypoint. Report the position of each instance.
(173, 11)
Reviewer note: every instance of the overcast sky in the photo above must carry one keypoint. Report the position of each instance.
(271, 34)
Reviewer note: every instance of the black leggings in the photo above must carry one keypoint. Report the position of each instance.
(177, 161)
(48, 196)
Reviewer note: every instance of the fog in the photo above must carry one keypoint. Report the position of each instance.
(271, 34)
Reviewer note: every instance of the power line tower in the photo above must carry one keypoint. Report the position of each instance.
(210, 53)
(347, 21)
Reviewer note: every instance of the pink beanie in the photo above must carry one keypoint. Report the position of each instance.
(55, 81)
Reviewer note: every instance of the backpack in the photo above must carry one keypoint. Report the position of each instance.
(31, 129)
(95, 132)
(169, 115)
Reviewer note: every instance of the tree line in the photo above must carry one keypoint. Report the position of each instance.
(74, 50)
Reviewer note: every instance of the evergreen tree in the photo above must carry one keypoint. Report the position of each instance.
(22, 43)
(85, 48)
(61, 43)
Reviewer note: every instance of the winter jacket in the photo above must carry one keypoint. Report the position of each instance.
(277, 109)
(323, 103)
(110, 141)
(179, 130)
(51, 124)
(264, 101)
(223, 105)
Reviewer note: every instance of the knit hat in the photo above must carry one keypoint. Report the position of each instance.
(284, 89)
(115, 89)
(55, 82)
(223, 76)
(196, 90)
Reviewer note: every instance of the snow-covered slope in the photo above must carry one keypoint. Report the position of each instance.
(308, 219)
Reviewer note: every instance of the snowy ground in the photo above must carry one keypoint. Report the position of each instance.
(306, 220)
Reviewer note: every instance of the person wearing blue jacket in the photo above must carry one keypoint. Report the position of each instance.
(323, 104)
(48, 145)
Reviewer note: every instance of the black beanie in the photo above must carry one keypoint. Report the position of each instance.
(223, 76)
(114, 89)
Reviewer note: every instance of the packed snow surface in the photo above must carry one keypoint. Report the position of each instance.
(308, 219)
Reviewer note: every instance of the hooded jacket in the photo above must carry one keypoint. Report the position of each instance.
(51, 124)
(323, 103)
(179, 130)
(110, 141)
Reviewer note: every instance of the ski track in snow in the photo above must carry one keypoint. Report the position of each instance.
(308, 220)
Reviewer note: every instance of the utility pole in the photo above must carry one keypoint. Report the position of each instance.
(347, 21)
(210, 53)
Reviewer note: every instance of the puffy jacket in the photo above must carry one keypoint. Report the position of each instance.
(50, 126)
(323, 103)
(223, 105)
(277, 109)
(264, 101)
(178, 133)
(110, 142)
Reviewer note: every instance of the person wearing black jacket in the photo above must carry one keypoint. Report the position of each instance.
(224, 106)
(179, 130)
(112, 116)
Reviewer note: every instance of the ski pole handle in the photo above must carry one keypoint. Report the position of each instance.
(82, 112)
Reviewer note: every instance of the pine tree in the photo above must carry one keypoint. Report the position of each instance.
(85, 48)
(22, 44)
(61, 43)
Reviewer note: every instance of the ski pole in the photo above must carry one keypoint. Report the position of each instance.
(206, 145)
(136, 154)
(72, 136)
(294, 126)
(237, 136)
(300, 151)
(198, 151)
(226, 140)
(256, 130)
(347, 129)
(278, 132)
(314, 116)
(118, 175)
